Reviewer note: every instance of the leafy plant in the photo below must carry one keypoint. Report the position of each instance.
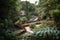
(48, 33)
(56, 17)
(9, 10)
(32, 25)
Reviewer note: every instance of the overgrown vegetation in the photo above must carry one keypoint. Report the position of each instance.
(48, 12)
(45, 33)
(9, 12)
(56, 16)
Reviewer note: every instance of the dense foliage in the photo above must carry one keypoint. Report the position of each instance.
(9, 12)
(28, 8)
(56, 17)
(47, 33)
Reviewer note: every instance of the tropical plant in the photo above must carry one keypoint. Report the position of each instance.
(48, 33)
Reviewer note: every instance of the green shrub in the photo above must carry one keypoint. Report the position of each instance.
(9, 11)
(6, 30)
(56, 17)
(23, 20)
(32, 25)
(46, 23)
(8, 35)
(47, 33)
